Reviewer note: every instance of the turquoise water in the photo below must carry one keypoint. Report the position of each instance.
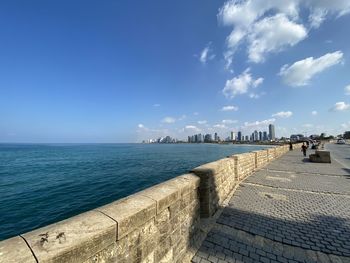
(42, 184)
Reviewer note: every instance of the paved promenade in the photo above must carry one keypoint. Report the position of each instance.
(290, 211)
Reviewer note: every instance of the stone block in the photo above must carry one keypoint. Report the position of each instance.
(189, 182)
(130, 212)
(139, 243)
(320, 157)
(107, 255)
(14, 250)
(162, 222)
(168, 257)
(164, 194)
(162, 249)
(73, 240)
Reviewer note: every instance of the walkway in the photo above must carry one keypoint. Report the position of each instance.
(290, 211)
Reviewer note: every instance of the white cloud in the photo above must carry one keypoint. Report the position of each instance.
(191, 128)
(259, 123)
(317, 17)
(283, 114)
(156, 105)
(254, 96)
(241, 84)
(314, 113)
(265, 26)
(202, 122)
(182, 117)
(229, 121)
(347, 90)
(220, 126)
(244, 13)
(141, 126)
(206, 54)
(340, 106)
(334, 7)
(273, 34)
(345, 125)
(168, 120)
(195, 113)
(300, 73)
(229, 108)
(307, 125)
(257, 82)
(262, 125)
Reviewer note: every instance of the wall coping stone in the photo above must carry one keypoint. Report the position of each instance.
(130, 212)
(164, 194)
(14, 250)
(209, 169)
(74, 239)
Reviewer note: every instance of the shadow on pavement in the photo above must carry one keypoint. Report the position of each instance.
(252, 237)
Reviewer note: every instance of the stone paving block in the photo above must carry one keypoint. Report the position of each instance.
(290, 211)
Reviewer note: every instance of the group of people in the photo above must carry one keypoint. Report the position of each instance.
(304, 147)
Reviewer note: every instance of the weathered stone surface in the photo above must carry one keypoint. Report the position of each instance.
(72, 240)
(261, 158)
(217, 179)
(107, 255)
(271, 153)
(138, 244)
(244, 164)
(186, 183)
(130, 212)
(167, 258)
(14, 250)
(164, 194)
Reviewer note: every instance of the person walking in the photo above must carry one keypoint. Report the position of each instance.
(303, 149)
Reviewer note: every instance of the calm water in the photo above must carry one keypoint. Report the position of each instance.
(42, 184)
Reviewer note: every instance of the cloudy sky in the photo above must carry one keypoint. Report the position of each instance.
(124, 71)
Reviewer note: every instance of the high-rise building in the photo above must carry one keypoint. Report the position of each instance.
(247, 138)
(265, 138)
(239, 136)
(215, 137)
(256, 135)
(207, 138)
(272, 135)
(233, 136)
(260, 136)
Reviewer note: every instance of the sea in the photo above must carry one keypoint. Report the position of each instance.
(44, 183)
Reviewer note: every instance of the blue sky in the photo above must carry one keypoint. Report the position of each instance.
(124, 71)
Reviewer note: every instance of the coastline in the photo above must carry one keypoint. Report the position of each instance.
(172, 210)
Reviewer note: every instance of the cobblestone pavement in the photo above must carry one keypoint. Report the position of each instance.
(297, 212)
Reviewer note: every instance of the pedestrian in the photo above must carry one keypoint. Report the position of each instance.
(290, 146)
(303, 149)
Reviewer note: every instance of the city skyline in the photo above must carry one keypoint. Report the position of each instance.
(125, 71)
(255, 136)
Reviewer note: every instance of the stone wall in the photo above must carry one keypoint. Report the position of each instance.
(217, 179)
(261, 158)
(159, 224)
(271, 154)
(244, 165)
